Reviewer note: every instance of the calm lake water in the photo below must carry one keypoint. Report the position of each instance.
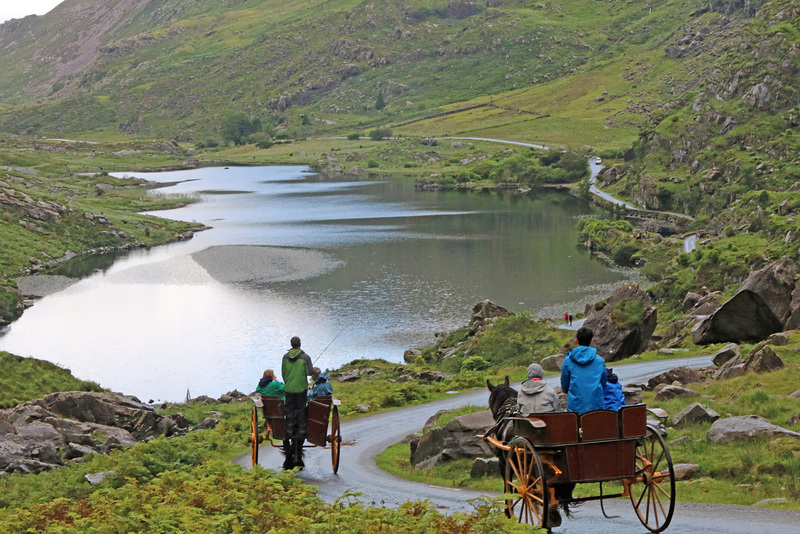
(374, 261)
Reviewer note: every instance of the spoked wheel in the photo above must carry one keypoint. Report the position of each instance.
(254, 436)
(652, 490)
(336, 439)
(524, 476)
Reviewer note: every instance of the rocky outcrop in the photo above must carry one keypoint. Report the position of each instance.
(624, 324)
(484, 314)
(457, 439)
(746, 428)
(61, 428)
(766, 303)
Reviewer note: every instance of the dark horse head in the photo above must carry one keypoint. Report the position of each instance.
(500, 398)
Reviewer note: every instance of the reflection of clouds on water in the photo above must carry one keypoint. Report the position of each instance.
(181, 270)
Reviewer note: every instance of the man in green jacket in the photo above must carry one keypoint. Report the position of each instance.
(295, 370)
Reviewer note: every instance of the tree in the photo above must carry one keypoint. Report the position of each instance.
(380, 103)
(237, 126)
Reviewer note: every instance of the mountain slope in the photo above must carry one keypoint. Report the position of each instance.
(170, 67)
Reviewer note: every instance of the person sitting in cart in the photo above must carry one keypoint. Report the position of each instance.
(612, 392)
(269, 386)
(583, 375)
(320, 385)
(295, 369)
(535, 396)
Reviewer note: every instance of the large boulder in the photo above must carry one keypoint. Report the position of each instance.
(457, 439)
(761, 307)
(763, 360)
(746, 428)
(623, 326)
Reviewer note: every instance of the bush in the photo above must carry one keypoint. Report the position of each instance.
(474, 363)
(354, 136)
(380, 133)
(623, 254)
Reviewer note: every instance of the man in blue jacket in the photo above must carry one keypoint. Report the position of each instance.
(321, 386)
(583, 375)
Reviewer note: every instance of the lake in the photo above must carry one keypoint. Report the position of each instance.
(372, 264)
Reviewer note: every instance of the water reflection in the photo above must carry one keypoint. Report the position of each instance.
(389, 264)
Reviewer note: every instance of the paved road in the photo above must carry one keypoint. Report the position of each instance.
(367, 437)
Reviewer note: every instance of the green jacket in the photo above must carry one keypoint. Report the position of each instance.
(295, 370)
(270, 387)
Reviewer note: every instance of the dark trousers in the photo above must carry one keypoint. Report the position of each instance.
(296, 415)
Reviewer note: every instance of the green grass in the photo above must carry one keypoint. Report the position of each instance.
(24, 379)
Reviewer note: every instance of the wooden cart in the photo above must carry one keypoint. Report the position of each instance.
(595, 447)
(319, 411)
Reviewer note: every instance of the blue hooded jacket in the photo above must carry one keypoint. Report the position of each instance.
(322, 386)
(614, 398)
(583, 377)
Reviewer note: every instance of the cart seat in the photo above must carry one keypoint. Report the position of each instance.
(559, 428)
(633, 421)
(273, 409)
(599, 425)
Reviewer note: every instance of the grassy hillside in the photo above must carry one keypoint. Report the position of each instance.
(172, 69)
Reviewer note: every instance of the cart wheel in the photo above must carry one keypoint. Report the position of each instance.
(254, 436)
(336, 439)
(524, 477)
(652, 490)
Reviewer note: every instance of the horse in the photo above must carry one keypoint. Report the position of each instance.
(503, 405)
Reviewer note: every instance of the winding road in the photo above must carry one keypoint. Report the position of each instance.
(366, 437)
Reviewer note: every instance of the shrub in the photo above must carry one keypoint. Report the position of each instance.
(622, 255)
(474, 363)
(628, 313)
(354, 136)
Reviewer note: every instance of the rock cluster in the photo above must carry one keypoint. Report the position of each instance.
(61, 428)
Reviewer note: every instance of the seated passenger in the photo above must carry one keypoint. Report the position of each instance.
(320, 385)
(583, 375)
(269, 386)
(614, 398)
(535, 396)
